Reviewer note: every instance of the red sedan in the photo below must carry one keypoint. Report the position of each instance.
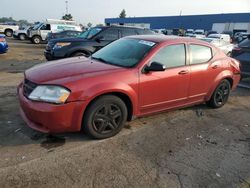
(133, 76)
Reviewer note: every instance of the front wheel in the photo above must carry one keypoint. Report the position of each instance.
(8, 32)
(220, 95)
(36, 39)
(105, 117)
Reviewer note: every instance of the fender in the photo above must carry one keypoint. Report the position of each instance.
(223, 75)
(111, 87)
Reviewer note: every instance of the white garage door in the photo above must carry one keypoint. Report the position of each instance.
(241, 26)
(219, 27)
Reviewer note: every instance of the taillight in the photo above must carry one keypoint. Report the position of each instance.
(236, 66)
(2, 40)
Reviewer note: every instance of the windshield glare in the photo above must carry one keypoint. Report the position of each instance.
(124, 52)
(90, 33)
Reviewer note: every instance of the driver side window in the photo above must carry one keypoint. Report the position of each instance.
(171, 56)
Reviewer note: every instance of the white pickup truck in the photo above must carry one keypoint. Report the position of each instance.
(8, 29)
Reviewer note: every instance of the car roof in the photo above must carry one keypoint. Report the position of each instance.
(122, 27)
(165, 38)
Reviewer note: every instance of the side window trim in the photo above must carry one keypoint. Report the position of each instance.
(186, 54)
(190, 54)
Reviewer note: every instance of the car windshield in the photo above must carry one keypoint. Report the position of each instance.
(214, 36)
(37, 26)
(207, 40)
(124, 52)
(90, 33)
(199, 32)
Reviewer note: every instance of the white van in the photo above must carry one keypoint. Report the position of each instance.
(39, 32)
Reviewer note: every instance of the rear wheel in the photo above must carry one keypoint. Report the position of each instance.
(220, 95)
(105, 117)
(36, 39)
(8, 32)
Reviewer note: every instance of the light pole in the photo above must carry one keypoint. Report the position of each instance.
(67, 9)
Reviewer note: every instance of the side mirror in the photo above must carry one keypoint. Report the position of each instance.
(99, 38)
(153, 67)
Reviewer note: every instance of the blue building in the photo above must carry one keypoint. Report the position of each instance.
(232, 21)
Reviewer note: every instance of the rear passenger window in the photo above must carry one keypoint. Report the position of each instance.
(171, 56)
(128, 32)
(110, 34)
(200, 54)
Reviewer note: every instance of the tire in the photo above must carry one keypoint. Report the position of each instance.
(105, 117)
(8, 32)
(36, 39)
(77, 54)
(220, 95)
(22, 37)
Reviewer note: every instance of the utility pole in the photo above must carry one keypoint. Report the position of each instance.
(67, 8)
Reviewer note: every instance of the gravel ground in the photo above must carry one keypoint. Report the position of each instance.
(192, 147)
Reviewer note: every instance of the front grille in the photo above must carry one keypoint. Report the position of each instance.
(28, 87)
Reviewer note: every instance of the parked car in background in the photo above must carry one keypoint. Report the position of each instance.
(230, 33)
(3, 44)
(90, 41)
(241, 52)
(211, 32)
(189, 33)
(63, 34)
(222, 37)
(199, 33)
(242, 36)
(21, 33)
(131, 77)
(225, 46)
(39, 32)
(8, 28)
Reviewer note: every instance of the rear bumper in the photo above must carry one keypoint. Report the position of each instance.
(236, 80)
(51, 118)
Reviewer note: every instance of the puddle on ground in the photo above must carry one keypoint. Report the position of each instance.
(53, 142)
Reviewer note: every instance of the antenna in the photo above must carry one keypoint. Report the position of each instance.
(67, 8)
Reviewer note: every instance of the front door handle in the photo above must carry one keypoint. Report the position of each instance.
(183, 72)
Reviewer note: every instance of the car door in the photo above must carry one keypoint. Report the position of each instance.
(105, 37)
(203, 71)
(163, 90)
(45, 29)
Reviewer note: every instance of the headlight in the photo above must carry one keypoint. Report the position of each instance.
(51, 94)
(61, 44)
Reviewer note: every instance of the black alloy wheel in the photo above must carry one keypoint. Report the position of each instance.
(105, 117)
(220, 95)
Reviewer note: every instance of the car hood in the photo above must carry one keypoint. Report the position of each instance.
(76, 39)
(67, 68)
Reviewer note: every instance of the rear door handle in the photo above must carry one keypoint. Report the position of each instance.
(183, 72)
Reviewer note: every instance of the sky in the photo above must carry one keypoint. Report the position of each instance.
(95, 11)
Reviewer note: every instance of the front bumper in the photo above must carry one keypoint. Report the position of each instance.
(49, 55)
(51, 118)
